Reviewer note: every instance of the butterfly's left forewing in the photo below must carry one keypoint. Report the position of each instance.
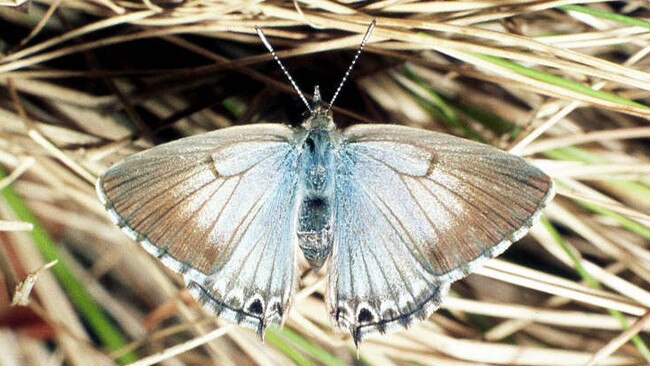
(417, 210)
(218, 208)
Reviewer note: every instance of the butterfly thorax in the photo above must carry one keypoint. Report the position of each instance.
(315, 213)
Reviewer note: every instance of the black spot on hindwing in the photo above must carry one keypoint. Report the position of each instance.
(256, 307)
(365, 316)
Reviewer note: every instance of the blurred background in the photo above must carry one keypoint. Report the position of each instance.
(565, 84)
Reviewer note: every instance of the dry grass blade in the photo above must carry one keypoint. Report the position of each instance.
(598, 136)
(16, 173)
(180, 348)
(15, 226)
(564, 83)
(14, 3)
(24, 288)
(606, 203)
(617, 342)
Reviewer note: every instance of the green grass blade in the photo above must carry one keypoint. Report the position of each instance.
(275, 338)
(639, 190)
(495, 123)
(559, 81)
(448, 107)
(436, 100)
(592, 282)
(311, 349)
(438, 107)
(619, 18)
(95, 318)
(234, 106)
(624, 221)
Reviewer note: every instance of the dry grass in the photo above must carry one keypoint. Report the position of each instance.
(85, 83)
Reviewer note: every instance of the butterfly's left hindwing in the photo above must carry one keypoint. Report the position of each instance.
(220, 209)
(415, 211)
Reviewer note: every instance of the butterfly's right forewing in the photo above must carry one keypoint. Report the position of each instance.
(219, 208)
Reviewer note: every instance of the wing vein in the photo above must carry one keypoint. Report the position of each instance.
(457, 217)
(187, 222)
(486, 194)
(144, 187)
(397, 269)
(169, 210)
(144, 172)
(399, 222)
(260, 206)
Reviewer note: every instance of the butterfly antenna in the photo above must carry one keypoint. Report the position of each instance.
(371, 27)
(275, 57)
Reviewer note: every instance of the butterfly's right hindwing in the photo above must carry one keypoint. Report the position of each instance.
(218, 208)
(417, 210)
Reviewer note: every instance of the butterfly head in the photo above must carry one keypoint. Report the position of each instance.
(321, 116)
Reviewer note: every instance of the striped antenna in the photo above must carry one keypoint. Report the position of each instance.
(354, 61)
(275, 57)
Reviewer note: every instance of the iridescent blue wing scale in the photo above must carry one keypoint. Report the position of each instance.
(415, 211)
(376, 281)
(220, 209)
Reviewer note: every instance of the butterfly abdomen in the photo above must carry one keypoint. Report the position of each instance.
(315, 212)
(315, 229)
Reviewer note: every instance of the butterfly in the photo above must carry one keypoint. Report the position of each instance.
(395, 213)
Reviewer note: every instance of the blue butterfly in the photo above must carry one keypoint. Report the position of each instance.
(398, 213)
